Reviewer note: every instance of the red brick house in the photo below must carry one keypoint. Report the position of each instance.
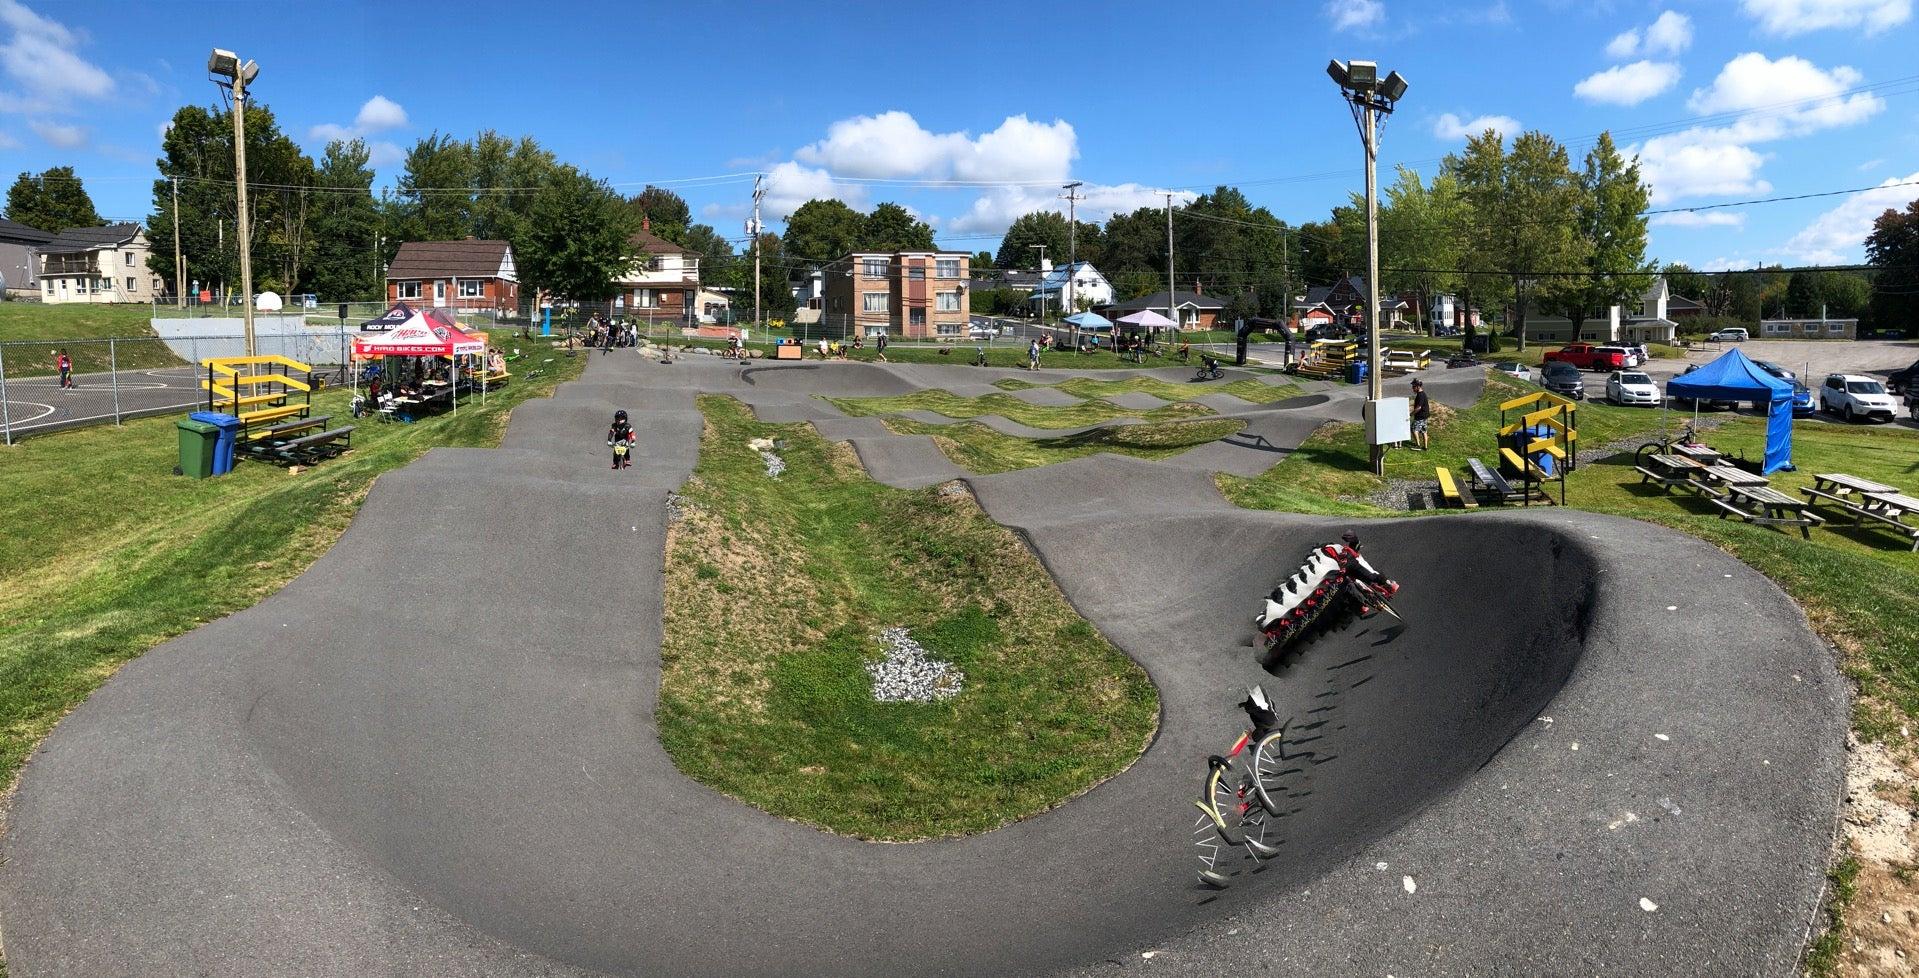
(468, 274)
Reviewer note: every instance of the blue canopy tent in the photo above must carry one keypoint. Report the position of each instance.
(1734, 377)
(1090, 321)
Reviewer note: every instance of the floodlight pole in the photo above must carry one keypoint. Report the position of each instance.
(1374, 386)
(240, 190)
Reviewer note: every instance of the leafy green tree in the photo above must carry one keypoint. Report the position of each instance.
(1802, 293)
(198, 149)
(1893, 250)
(1611, 204)
(434, 191)
(577, 243)
(1321, 248)
(344, 224)
(893, 228)
(665, 212)
(824, 231)
(982, 260)
(52, 200)
(719, 267)
(1016, 249)
(1133, 249)
(1236, 252)
(1526, 206)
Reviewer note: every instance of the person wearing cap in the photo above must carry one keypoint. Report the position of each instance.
(1347, 553)
(1422, 411)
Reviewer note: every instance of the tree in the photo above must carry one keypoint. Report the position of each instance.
(1237, 249)
(719, 267)
(1321, 248)
(198, 150)
(776, 297)
(434, 191)
(1893, 250)
(52, 200)
(664, 211)
(1526, 205)
(893, 228)
(1611, 204)
(823, 231)
(344, 224)
(982, 259)
(577, 244)
(1016, 249)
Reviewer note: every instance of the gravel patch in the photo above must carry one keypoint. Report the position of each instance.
(775, 465)
(909, 674)
(676, 507)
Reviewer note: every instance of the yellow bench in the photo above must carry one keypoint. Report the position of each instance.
(272, 414)
(1449, 489)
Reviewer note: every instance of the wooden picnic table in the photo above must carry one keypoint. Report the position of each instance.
(1673, 470)
(1699, 453)
(1764, 504)
(1838, 485)
(1727, 475)
(1890, 509)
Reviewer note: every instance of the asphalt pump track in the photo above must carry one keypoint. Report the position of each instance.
(1592, 746)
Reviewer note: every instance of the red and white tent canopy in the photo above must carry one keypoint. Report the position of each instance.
(420, 336)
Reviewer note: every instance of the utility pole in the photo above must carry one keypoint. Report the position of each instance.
(1066, 304)
(1172, 297)
(1042, 293)
(179, 260)
(759, 193)
(240, 191)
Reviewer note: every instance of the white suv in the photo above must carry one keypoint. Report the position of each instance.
(1853, 397)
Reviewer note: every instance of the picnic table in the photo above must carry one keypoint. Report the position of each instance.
(1671, 470)
(1764, 504)
(1728, 476)
(1866, 500)
(1699, 453)
(1891, 509)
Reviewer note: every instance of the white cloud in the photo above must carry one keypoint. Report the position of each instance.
(7, 141)
(1624, 46)
(1700, 219)
(1795, 95)
(1670, 33)
(382, 154)
(1628, 84)
(1698, 162)
(161, 129)
(1871, 164)
(377, 114)
(1838, 236)
(893, 145)
(1449, 126)
(1787, 18)
(992, 212)
(1349, 15)
(56, 134)
(1732, 264)
(39, 58)
(790, 184)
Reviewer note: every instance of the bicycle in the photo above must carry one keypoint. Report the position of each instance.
(1238, 803)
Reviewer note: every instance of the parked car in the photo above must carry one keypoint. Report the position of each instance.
(1628, 357)
(1901, 381)
(1564, 379)
(1777, 371)
(984, 332)
(1735, 334)
(1852, 397)
(1714, 404)
(1631, 387)
(1801, 401)
(1515, 370)
(1585, 356)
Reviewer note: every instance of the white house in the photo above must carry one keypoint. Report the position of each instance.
(102, 264)
(1648, 324)
(663, 284)
(1073, 287)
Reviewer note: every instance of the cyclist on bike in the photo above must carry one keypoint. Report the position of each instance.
(621, 438)
(1346, 551)
(1326, 563)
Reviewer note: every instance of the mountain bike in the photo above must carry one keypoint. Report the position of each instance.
(1239, 801)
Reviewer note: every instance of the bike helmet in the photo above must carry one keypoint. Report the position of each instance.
(619, 415)
(1350, 538)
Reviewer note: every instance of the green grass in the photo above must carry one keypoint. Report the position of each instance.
(1822, 957)
(108, 554)
(982, 450)
(1001, 354)
(1013, 409)
(1251, 390)
(82, 329)
(775, 591)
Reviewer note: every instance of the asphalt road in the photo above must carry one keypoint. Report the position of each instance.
(371, 772)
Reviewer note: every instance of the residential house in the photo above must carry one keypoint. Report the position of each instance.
(1808, 329)
(809, 296)
(98, 264)
(916, 294)
(1649, 324)
(19, 271)
(467, 274)
(1346, 300)
(664, 284)
(1449, 313)
(1679, 308)
(713, 307)
(1193, 310)
(1070, 288)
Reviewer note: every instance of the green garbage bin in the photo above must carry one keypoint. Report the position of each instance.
(197, 440)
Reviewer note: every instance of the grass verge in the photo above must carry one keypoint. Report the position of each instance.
(108, 554)
(1013, 409)
(775, 591)
(1249, 390)
(980, 449)
(32, 331)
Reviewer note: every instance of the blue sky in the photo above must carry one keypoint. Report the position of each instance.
(972, 114)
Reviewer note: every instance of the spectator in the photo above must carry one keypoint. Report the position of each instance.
(1032, 355)
(64, 364)
(879, 347)
(1422, 412)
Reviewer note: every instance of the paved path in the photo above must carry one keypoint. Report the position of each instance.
(371, 774)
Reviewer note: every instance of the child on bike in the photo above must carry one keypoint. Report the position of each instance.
(621, 438)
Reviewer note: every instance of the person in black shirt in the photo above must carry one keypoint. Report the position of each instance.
(1422, 411)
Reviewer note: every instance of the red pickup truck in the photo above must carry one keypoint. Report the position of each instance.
(1586, 356)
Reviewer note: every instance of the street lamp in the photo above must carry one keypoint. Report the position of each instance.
(229, 72)
(1371, 97)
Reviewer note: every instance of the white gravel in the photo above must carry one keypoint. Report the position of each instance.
(775, 465)
(909, 674)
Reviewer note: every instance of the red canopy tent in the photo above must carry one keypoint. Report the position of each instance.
(419, 336)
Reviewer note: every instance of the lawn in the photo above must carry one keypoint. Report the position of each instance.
(108, 554)
(980, 449)
(1248, 389)
(776, 591)
(1013, 409)
(31, 331)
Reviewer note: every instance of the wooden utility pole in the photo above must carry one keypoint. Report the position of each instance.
(179, 259)
(759, 193)
(1172, 296)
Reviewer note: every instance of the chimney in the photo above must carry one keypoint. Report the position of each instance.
(1199, 287)
(646, 223)
(1045, 265)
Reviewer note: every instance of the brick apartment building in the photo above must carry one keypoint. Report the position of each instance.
(914, 294)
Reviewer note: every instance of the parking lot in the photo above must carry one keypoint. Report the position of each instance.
(1812, 360)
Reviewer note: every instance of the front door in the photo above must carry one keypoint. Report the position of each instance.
(439, 293)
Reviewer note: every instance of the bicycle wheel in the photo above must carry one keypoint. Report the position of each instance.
(1273, 770)
(1242, 811)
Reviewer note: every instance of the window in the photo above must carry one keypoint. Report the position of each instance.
(1836, 329)
(1778, 328)
(646, 299)
(947, 268)
(917, 273)
(129, 259)
(130, 285)
(656, 264)
(949, 329)
(48, 286)
(472, 288)
(916, 317)
(949, 302)
(873, 267)
(407, 290)
(873, 302)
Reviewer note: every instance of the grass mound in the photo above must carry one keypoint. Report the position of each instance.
(775, 592)
(1247, 389)
(980, 449)
(1013, 409)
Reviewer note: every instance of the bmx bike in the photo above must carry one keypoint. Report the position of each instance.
(1238, 802)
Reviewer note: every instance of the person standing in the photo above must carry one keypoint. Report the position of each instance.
(64, 363)
(1422, 412)
(1032, 355)
(879, 347)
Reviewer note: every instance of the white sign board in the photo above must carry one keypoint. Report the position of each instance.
(1389, 421)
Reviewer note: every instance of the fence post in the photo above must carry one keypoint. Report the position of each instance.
(113, 370)
(6, 416)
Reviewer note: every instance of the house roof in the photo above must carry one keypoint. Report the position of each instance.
(1001, 278)
(91, 239)
(1157, 300)
(469, 258)
(1055, 280)
(23, 233)
(1681, 302)
(653, 244)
